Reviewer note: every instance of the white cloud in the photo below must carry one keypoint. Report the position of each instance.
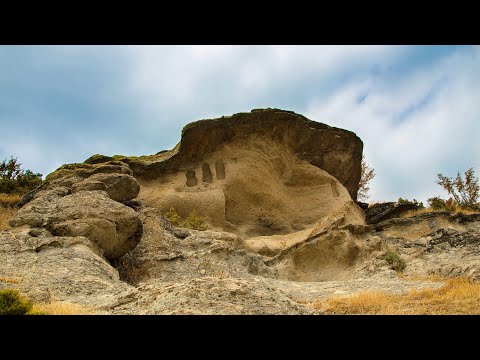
(440, 136)
(415, 120)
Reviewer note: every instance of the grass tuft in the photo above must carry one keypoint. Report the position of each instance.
(457, 297)
(5, 215)
(61, 308)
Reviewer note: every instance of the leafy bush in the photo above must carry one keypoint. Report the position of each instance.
(394, 259)
(15, 180)
(12, 303)
(464, 193)
(414, 202)
(173, 217)
(193, 221)
(436, 203)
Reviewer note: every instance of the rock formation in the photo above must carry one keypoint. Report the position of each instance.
(278, 192)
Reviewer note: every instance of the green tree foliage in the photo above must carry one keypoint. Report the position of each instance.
(15, 180)
(366, 175)
(465, 193)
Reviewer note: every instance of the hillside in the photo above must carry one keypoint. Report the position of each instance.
(284, 234)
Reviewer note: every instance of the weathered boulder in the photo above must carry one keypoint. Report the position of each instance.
(114, 227)
(69, 175)
(120, 187)
(52, 268)
(88, 185)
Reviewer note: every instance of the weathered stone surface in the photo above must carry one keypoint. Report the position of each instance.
(88, 185)
(389, 210)
(120, 187)
(211, 295)
(263, 189)
(172, 254)
(70, 175)
(47, 268)
(116, 228)
(435, 243)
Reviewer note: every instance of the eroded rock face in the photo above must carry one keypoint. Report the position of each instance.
(85, 200)
(385, 211)
(436, 243)
(334, 150)
(56, 268)
(119, 187)
(267, 172)
(114, 227)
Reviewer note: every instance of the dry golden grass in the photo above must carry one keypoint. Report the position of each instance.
(9, 200)
(62, 308)
(426, 210)
(5, 215)
(458, 296)
(10, 280)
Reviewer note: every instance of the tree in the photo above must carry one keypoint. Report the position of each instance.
(367, 173)
(15, 180)
(465, 193)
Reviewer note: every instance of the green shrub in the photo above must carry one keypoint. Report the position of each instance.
(413, 202)
(193, 221)
(173, 217)
(394, 259)
(436, 203)
(15, 180)
(12, 303)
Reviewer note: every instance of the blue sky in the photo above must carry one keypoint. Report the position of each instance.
(417, 108)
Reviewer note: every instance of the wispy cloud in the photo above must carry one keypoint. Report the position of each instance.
(423, 124)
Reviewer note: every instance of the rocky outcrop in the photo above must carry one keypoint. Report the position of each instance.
(334, 150)
(435, 243)
(278, 192)
(70, 175)
(264, 173)
(119, 187)
(389, 210)
(114, 227)
(84, 200)
(57, 268)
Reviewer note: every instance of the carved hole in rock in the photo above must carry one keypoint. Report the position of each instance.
(191, 178)
(206, 173)
(220, 169)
